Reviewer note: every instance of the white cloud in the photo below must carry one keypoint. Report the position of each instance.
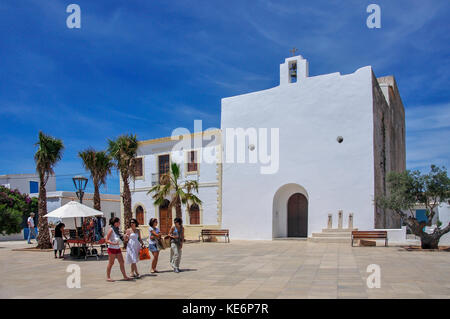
(428, 136)
(427, 117)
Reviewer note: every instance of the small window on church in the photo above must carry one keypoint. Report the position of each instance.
(192, 165)
(293, 72)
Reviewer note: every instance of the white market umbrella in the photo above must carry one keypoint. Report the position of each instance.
(74, 209)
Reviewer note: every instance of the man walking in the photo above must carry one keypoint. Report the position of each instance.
(30, 223)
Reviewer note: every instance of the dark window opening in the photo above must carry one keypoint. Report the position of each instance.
(192, 165)
(163, 164)
(293, 72)
(138, 169)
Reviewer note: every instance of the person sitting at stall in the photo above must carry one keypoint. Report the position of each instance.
(58, 241)
(89, 230)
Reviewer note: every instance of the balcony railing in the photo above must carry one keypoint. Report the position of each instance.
(155, 179)
(156, 176)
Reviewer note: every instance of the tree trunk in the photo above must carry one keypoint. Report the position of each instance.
(179, 213)
(429, 242)
(43, 237)
(126, 197)
(97, 201)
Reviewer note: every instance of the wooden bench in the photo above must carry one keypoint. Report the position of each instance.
(382, 234)
(215, 232)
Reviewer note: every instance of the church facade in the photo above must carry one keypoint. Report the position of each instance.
(289, 156)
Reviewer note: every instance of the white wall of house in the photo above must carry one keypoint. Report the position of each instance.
(310, 114)
(444, 217)
(22, 182)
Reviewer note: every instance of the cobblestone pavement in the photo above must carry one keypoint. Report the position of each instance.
(241, 269)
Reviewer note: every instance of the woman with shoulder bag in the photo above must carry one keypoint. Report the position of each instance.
(176, 235)
(155, 236)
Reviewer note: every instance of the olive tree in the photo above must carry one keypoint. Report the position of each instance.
(408, 189)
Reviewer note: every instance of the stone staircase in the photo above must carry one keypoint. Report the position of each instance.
(333, 235)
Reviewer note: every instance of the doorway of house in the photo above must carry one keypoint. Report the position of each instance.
(140, 215)
(165, 217)
(297, 216)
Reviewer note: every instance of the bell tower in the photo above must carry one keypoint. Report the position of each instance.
(293, 70)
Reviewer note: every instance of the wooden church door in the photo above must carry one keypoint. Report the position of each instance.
(297, 216)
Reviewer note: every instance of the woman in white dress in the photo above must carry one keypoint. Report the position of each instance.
(134, 244)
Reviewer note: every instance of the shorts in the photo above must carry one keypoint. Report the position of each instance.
(114, 251)
(153, 248)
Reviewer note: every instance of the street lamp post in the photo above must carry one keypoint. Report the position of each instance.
(80, 183)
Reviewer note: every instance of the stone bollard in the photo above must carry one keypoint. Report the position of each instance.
(330, 221)
(340, 213)
(350, 221)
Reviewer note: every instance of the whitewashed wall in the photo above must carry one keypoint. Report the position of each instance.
(22, 182)
(310, 115)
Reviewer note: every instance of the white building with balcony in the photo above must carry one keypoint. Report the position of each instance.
(198, 155)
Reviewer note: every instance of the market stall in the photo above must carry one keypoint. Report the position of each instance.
(83, 241)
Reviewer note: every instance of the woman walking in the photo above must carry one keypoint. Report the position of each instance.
(155, 235)
(134, 244)
(176, 235)
(58, 241)
(114, 252)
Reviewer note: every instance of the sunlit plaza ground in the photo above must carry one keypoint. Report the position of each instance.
(241, 269)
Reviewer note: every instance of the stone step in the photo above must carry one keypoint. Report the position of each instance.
(335, 230)
(333, 234)
(291, 238)
(329, 240)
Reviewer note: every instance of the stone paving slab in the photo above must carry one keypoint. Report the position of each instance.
(241, 269)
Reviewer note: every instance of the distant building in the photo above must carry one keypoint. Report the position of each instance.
(110, 204)
(26, 183)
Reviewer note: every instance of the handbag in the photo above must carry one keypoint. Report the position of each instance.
(159, 244)
(164, 242)
(144, 254)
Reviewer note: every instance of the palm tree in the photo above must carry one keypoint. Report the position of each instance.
(190, 198)
(99, 163)
(123, 150)
(180, 193)
(48, 154)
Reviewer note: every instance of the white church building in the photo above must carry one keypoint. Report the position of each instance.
(287, 157)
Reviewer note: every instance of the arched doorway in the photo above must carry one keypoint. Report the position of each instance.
(194, 215)
(140, 215)
(297, 213)
(280, 219)
(165, 217)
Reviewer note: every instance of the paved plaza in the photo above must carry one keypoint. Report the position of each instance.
(241, 269)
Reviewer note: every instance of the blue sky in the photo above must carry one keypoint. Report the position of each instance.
(148, 67)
